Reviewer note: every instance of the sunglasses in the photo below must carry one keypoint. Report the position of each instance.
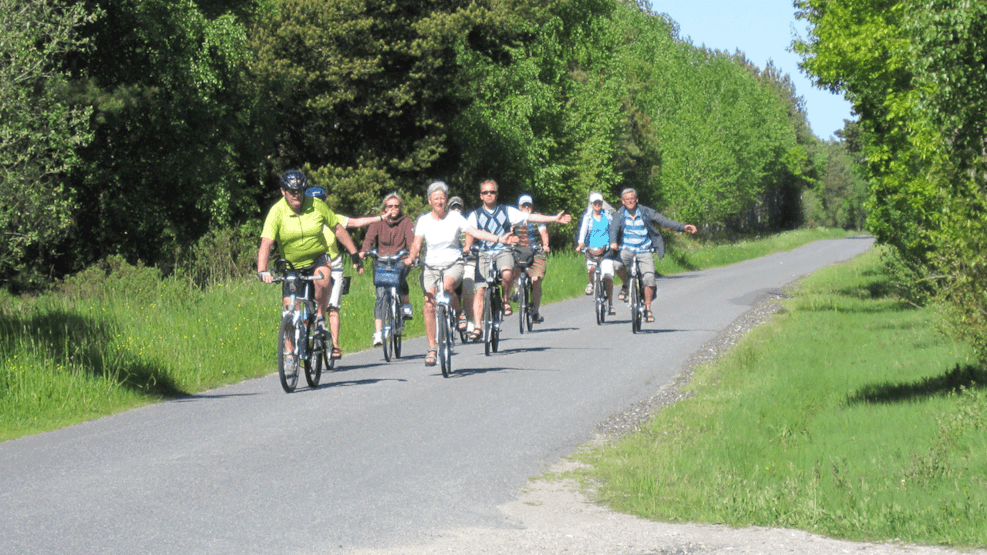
(488, 192)
(392, 206)
(294, 192)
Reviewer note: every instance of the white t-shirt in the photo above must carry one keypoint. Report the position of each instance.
(441, 237)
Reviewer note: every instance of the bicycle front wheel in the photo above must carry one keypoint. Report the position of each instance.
(387, 326)
(487, 322)
(635, 302)
(497, 318)
(442, 337)
(317, 351)
(287, 354)
(522, 305)
(599, 297)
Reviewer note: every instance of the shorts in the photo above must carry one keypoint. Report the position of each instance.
(501, 260)
(537, 268)
(297, 288)
(646, 261)
(430, 277)
(336, 294)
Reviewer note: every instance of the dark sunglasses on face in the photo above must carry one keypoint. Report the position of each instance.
(393, 206)
(488, 192)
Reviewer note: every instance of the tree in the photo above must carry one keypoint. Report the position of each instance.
(41, 130)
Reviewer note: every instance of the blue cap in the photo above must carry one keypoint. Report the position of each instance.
(316, 192)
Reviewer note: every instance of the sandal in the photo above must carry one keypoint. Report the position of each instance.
(623, 294)
(336, 353)
(477, 334)
(507, 309)
(462, 322)
(649, 316)
(589, 288)
(430, 359)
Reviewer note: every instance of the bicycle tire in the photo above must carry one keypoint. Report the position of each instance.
(451, 334)
(529, 317)
(387, 325)
(317, 350)
(635, 303)
(598, 298)
(442, 337)
(497, 315)
(487, 321)
(287, 358)
(522, 305)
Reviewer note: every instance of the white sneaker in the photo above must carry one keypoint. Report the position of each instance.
(378, 339)
(408, 313)
(469, 328)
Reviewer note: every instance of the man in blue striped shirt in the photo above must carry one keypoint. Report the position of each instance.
(634, 232)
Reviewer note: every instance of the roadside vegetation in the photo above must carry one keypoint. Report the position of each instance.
(846, 414)
(117, 336)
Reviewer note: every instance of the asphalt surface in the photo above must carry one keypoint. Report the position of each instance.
(381, 454)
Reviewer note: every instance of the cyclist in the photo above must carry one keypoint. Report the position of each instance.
(594, 234)
(438, 231)
(635, 232)
(469, 273)
(296, 224)
(336, 266)
(391, 234)
(497, 219)
(530, 236)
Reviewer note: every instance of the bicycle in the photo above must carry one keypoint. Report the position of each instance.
(493, 311)
(445, 323)
(524, 257)
(635, 297)
(387, 276)
(601, 300)
(299, 340)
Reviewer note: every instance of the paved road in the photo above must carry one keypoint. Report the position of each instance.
(380, 454)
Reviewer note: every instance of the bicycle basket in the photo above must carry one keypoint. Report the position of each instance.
(524, 256)
(387, 274)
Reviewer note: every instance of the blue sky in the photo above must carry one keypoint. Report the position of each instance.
(762, 30)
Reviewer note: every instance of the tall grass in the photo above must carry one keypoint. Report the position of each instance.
(846, 414)
(117, 336)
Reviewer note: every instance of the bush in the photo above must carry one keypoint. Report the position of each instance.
(112, 277)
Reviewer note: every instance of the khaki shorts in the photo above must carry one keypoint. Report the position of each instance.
(430, 277)
(646, 263)
(537, 268)
(501, 260)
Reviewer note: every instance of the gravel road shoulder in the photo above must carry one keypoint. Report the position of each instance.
(551, 515)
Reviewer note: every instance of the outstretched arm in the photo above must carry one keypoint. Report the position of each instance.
(560, 218)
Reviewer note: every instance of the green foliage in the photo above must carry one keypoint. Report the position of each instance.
(174, 145)
(914, 71)
(41, 131)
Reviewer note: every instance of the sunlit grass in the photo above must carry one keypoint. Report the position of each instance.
(846, 414)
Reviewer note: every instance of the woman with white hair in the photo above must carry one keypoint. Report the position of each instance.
(438, 230)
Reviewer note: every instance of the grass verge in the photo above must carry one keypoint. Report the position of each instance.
(116, 336)
(845, 414)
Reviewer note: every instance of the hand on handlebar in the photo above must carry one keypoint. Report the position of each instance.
(265, 276)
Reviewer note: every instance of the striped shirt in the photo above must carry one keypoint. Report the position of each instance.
(636, 237)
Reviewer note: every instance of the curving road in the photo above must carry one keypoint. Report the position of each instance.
(380, 454)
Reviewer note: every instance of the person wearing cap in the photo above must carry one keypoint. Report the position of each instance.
(296, 224)
(438, 231)
(336, 266)
(531, 235)
(469, 273)
(498, 219)
(594, 240)
(635, 233)
(390, 235)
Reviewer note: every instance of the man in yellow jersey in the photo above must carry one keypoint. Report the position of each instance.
(295, 223)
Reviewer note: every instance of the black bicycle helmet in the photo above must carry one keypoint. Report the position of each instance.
(293, 180)
(316, 192)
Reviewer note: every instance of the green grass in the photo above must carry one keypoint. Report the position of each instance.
(118, 336)
(846, 414)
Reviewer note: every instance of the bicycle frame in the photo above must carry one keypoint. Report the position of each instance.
(393, 322)
(298, 321)
(493, 310)
(444, 323)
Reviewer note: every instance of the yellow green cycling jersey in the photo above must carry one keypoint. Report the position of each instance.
(300, 238)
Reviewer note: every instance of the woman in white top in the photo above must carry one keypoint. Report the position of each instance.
(439, 231)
